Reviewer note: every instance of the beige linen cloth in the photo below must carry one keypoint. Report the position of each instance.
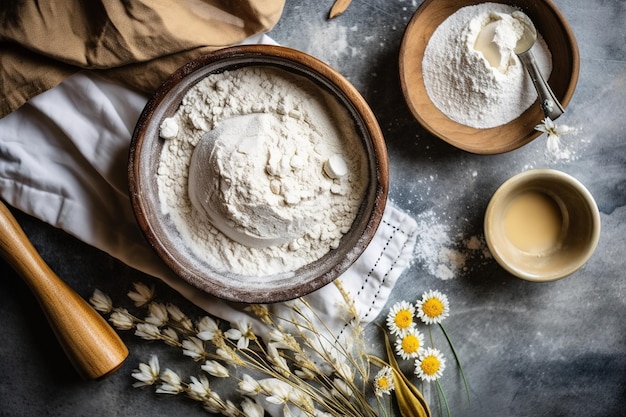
(75, 78)
(138, 42)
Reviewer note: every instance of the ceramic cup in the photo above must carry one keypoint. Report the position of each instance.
(542, 225)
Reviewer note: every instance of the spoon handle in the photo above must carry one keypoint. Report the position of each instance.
(91, 344)
(549, 103)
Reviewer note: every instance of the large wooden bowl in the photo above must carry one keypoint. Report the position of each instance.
(159, 229)
(550, 24)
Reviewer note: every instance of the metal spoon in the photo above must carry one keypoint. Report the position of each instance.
(549, 103)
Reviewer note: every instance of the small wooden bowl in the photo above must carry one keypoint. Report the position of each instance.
(161, 233)
(550, 24)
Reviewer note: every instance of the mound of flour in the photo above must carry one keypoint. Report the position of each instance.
(265, 193)
(462, 83)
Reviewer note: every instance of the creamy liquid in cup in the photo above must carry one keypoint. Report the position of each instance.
(534, 222)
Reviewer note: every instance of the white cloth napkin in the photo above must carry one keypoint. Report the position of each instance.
(63, 160)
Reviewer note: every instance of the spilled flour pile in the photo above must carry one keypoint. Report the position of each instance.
(443, 255)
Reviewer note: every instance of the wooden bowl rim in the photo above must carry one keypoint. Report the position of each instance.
(283, 286)
(499, 138)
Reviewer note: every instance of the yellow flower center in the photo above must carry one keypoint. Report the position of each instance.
(410, 344)
(383, 383)
(432, 307)
(430, 365)
(403, 319)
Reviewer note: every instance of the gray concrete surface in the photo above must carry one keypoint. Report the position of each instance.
(555, 349)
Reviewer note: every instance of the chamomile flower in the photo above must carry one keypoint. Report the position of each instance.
(430, 364)
(433, 307)
(288, 362)
(410, 345)
(400, 318)
(383, 381)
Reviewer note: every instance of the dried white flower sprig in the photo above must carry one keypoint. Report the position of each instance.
(299, 367)
(554, 134)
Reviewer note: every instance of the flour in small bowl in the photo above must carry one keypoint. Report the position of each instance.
(479, 89)
(261, 171)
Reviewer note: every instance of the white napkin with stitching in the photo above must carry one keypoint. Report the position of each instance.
(63, 159)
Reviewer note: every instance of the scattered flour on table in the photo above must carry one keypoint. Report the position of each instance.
(462, 83)
(284, 150)
(444, 254)
(330, 43)
(564, 147)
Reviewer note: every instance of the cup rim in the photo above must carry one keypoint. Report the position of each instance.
(515, 183)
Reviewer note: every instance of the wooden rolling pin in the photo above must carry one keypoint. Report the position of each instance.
(91, 344)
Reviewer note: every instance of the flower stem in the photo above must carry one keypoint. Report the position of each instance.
(443, 396)
(456, 357)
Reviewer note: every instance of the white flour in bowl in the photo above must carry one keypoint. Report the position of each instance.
(284, 178)
(461, 81)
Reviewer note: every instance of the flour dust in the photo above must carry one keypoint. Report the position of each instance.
(444, 253)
